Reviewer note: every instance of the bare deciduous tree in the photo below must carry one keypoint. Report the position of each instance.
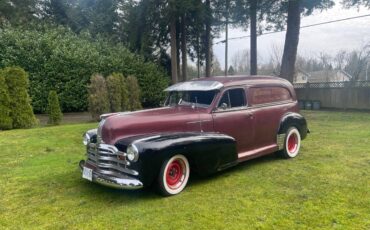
(240, 62)
(357, 63)
(340, 59)
(275, 57)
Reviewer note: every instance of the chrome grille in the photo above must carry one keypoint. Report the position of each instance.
(109, 160)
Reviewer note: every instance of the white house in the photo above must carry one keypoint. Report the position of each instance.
(322, 76)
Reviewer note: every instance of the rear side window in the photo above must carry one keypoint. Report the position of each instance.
(233, 98)
(269, 95)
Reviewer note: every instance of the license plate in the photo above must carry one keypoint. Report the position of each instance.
(87, 174)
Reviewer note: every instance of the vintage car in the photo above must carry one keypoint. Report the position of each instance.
(205, 126)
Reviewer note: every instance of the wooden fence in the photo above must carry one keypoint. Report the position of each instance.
(336, 95)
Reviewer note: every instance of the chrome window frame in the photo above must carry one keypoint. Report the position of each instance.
(231, 109)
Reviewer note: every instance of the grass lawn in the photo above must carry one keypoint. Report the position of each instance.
(326, 186)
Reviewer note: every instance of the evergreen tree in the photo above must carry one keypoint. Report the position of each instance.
(55, 114)
(20, 103)
(5, 119)
(114, 85)
(133, 93)
(124, 95)
(231, 71)
(98, 96)
(356, 3)
(18, 12)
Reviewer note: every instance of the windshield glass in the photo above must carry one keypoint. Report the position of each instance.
(200, 98)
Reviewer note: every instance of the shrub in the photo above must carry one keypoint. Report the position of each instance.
(114, 85)
(55, 114)
(133, 93)
(98, 96)
(124, 95)
(20, 103)
(58, 59)
(5, 119)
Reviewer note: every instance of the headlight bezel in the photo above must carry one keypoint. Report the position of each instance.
(99, 131)
(132, 153)
(86, 139)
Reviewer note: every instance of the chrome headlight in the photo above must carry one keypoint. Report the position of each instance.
(132, 153)
(86, 139)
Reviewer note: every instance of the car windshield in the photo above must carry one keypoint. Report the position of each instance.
(199, 98)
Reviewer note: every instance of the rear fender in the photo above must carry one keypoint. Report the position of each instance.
(293, 119)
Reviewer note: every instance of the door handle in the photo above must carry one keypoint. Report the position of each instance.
(250, 115)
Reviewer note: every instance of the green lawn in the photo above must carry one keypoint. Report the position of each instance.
(326, 186)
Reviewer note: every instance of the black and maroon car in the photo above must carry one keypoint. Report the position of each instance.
(206, 125)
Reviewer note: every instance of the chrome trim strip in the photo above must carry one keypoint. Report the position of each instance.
(196, 122)
(146, 139)
(120, 169)
(120, 183)
(114, 160)
(112, 173)
(241, 108)
(286, 102)
(108, 148)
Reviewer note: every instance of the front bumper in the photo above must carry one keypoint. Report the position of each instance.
(123, 182)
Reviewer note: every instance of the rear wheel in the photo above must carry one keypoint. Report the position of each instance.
(174, 175)
(292, 143)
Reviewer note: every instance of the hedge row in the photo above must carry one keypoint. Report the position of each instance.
(57, 59)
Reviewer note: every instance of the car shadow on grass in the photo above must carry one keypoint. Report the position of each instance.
(102, 193)
(243, 166)
(98, 193)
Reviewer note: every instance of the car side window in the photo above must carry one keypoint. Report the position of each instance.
(232, 98)
(265, 95)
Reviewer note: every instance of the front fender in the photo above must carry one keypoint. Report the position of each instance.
(206, 152)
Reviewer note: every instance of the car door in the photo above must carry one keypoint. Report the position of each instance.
(232, 117)
(269, 104)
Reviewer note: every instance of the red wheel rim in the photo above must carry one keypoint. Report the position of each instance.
(292, 143)
(175, 174)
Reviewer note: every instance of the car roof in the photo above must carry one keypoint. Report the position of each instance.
(245, 80)
(218, 82)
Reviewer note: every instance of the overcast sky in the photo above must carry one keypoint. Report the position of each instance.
(330, 38)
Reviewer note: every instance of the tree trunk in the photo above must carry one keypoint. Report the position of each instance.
(253, 37)
(208, 39)
(291, 41)
(198, 54)
(179, 78)
(183, 48)
(227, 39)
(173, 51)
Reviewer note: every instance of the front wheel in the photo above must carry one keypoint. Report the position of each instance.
(174, 175)
(292, 143)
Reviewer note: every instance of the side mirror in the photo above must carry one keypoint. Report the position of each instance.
(223, 106)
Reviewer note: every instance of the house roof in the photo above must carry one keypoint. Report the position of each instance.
(326, 76)
(303, 72)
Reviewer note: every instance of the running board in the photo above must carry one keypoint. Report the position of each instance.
(257, 152)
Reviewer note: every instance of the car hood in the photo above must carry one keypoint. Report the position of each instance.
(154, 121)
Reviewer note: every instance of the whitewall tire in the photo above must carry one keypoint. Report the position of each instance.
(174, 175)
(292, 143)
